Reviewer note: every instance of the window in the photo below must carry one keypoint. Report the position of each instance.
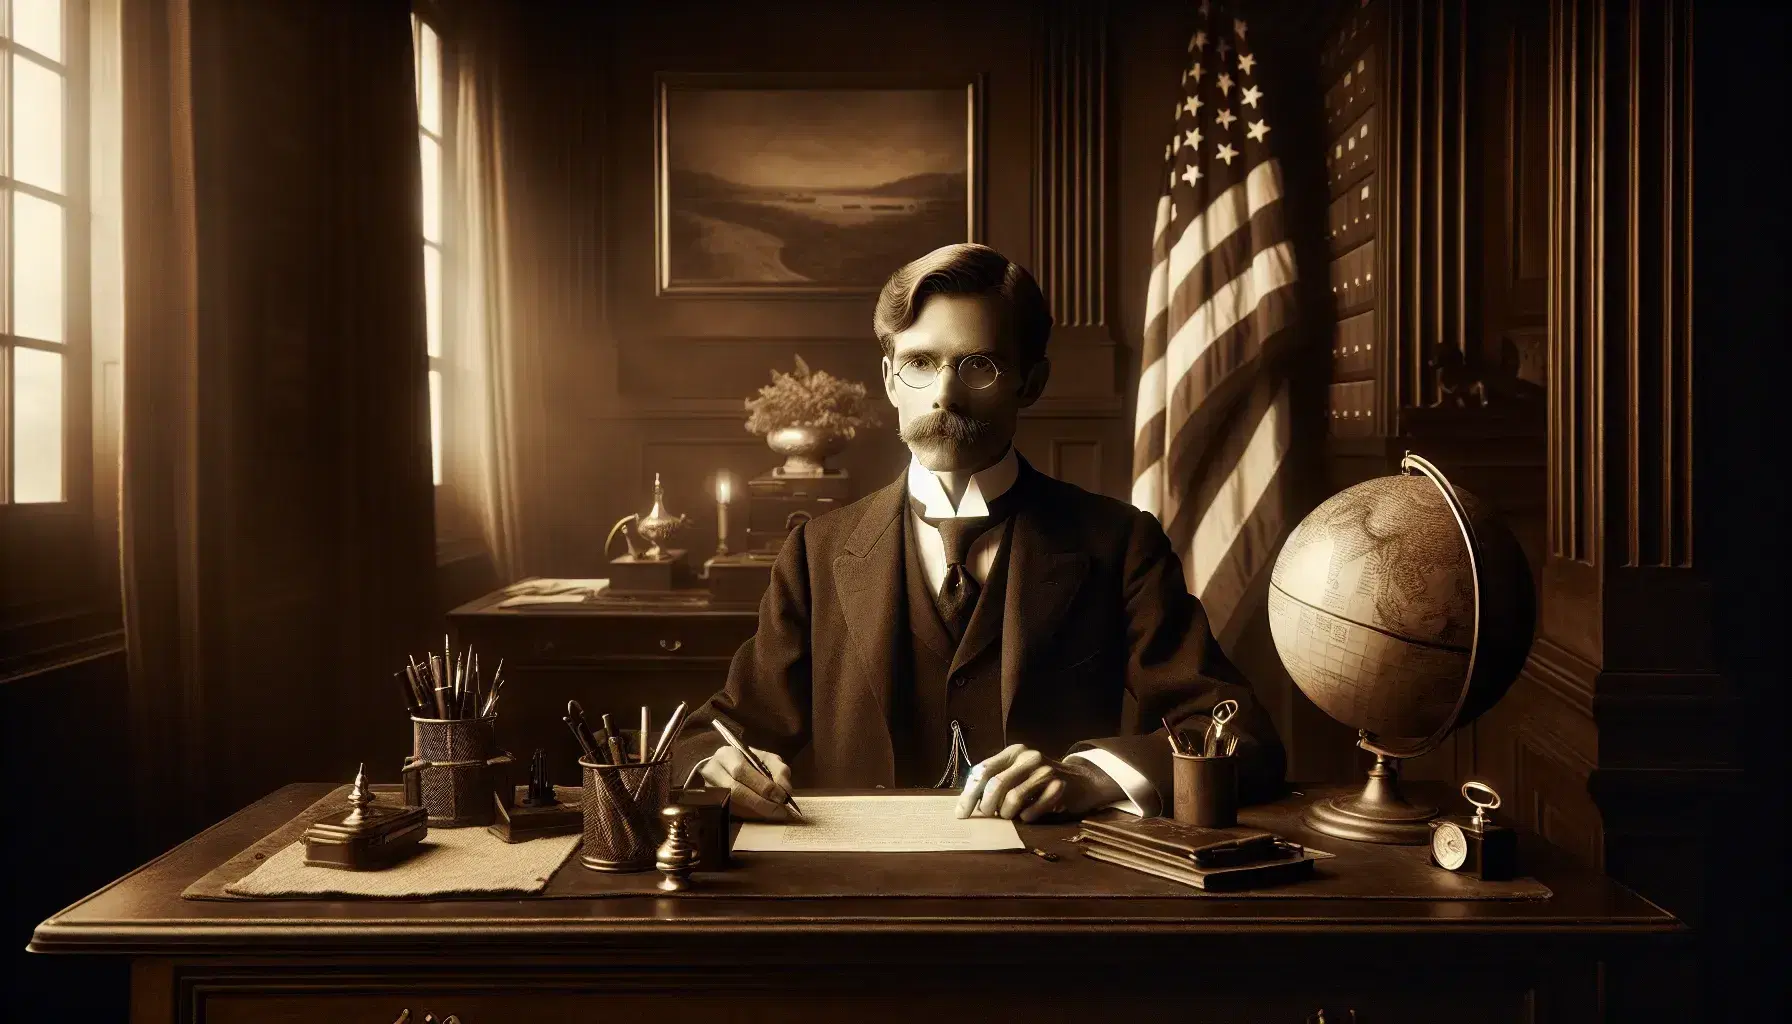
(42, 351)
(426, 47)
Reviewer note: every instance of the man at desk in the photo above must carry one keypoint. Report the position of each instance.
(975, 620)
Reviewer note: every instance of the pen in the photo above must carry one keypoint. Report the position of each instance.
(491, 697)
(614, 742)
(669, 735)
(646, 730)
(753, 759)
(575, 720)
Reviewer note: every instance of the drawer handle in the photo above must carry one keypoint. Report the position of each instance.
(671, 645)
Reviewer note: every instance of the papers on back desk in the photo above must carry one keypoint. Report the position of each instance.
(899, 823)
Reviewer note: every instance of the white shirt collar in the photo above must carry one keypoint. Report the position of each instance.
(985, 486)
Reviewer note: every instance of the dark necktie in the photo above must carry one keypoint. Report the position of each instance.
(959, 589)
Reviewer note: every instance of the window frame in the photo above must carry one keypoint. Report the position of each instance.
(76, 347)
(61, 604)
(456, 537)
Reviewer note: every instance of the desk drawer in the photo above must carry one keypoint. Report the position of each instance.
(804, 999)
(597, 638)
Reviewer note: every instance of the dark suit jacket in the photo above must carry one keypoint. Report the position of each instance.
(1095, 606)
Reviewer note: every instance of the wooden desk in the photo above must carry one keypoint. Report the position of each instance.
(652, 958)
(610, 655)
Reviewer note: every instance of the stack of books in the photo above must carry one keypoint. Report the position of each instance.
(1214, 859)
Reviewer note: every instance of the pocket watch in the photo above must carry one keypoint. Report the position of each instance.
(1475, 845)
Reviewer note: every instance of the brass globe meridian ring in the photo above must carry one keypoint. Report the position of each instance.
(1368, 741)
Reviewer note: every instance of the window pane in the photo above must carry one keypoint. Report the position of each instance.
(432, 189)
(37, 425)
(37, 268)
(429, 79)
(36, 124)
(435, 425)
(432, 298)
(38, 24)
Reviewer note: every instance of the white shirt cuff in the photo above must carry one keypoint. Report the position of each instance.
(1141, 796)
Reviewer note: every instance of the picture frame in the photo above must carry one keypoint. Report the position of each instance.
(810, 184)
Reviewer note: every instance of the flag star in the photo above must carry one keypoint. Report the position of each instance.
(1191, 139)
(1172, 177)
(1225, 118)
(1204, 8)
(1238, 28)
(1198, 41)
(1169, 147)
(1246, 63)
(1224, 81)
(1258, 130)
(1191, 174)
(1196, 72)
(1225, 47)
(1251, 96)
(1192, 105)
(1226, 153)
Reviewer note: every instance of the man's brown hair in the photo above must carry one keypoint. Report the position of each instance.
(965, 268)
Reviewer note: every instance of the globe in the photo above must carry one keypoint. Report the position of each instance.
(1391, 623)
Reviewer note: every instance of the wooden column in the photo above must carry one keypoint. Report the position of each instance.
(1619, 740)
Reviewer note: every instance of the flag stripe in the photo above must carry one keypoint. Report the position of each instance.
(1238, 498)
(1272, 270)
(1234, 208)
(1196, 395)
(1220, 265)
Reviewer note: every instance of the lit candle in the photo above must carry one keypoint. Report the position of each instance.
(723, 492)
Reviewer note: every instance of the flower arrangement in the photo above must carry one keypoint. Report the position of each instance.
(814, 399)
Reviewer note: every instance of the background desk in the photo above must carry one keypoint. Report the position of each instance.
(609, 655)
(652, 959)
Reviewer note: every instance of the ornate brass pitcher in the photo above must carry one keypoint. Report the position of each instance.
(655, 528)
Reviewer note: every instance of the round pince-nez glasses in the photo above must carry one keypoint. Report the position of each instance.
(976, 371)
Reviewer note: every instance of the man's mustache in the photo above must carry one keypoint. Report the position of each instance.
(946, 425)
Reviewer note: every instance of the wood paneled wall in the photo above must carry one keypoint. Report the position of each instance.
(641, 382)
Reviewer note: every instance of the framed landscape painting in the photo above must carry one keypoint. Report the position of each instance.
(817, 184)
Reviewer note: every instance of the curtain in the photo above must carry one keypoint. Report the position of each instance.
(491, 420)
(276, 516)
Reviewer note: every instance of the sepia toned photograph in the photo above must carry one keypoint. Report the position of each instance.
(767, 185)
(893, 512)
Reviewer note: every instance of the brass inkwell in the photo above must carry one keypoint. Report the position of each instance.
(649, 565)
(366, 837)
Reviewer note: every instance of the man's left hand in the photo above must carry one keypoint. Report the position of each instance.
(1020, 782)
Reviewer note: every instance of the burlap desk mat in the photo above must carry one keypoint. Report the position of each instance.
(1357, 871)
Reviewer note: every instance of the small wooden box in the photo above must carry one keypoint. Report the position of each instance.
(629, 574)
(739, 579)
(383, 836)
(775, 503)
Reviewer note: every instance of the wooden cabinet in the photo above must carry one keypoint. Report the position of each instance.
(611, 656)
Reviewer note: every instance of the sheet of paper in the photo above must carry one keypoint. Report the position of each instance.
(552, 591)
(899, 823)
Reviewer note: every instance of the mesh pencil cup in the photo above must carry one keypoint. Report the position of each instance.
(622, 805)
(454, 769)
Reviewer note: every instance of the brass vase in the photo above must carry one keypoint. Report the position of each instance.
(805, 449)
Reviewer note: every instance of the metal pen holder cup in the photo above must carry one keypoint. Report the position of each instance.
(622, 805)
(454, 770)
(1206, 790)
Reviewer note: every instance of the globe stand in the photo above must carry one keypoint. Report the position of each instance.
(1377, 814)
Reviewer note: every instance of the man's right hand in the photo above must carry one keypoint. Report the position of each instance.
(750, 795)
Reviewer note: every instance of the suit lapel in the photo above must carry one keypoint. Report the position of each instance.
(1044, 571)
(867, 579)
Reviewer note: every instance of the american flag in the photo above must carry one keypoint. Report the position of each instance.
(1212, 430)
